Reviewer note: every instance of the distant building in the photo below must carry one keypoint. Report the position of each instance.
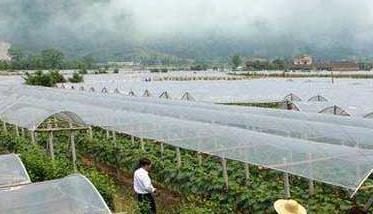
(4, 47)
(303, 60)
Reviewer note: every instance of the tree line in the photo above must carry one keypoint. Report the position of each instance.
(48, 59)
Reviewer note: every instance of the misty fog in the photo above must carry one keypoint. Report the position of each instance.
(193, 28)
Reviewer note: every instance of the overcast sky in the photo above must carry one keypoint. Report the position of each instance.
(324, 22)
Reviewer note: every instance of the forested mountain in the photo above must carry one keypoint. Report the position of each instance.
(197, 30)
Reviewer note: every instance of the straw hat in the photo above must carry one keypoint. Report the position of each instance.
(289, 207)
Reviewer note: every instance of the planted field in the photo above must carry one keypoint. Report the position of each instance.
(194, 186)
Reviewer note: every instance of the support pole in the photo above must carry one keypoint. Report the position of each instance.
(107, 134)
(50, 143)
(199, 158)
(117, 162)
(55, 122)
(22, 132)
(90, 133)
(225, 172)
(132, 139)
(33, 137)
(4, 128)
(162, 149)
(247, 172)
(142, 144)
(286, 183)
(17, 131)
(178, 157)
(311, 186)
(73, 150)
(114, 138)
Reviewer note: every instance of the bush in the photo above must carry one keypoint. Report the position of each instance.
(49, 79)
(4, 65)
(199, 67)
(57, 77)
(116, 71)
(76, 78)
(154, 70)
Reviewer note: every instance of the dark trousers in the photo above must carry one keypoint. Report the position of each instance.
(147, 203)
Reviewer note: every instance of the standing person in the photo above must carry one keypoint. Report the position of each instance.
(144, 188)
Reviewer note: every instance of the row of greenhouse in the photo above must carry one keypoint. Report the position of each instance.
(341, 91)
(324, 148)
(343, 97)
(316, 103)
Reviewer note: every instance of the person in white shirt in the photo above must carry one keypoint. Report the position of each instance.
(144, 188)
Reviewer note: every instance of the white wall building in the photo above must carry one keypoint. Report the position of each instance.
(4, 47)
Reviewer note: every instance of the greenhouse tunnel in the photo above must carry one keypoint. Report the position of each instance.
(187, 97)
(230, 132)
(292, 97)
(317, 98)
(12, 171)
(369, 116)
(30, 116)
(335, 110)
(317, 107)
(72, 194)
(147, 93)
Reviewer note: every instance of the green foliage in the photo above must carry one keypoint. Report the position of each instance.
(199, 67)
(76, 78)
(103, 184)
(48, 79)
(202, 185)
(40, 167)
(52, 59)
(277, 64)
(158, 70)
(236, 61)
(45, 60)
(4, 65)
(57, 77)
(116, 70)
(37, 163)
(154, 70)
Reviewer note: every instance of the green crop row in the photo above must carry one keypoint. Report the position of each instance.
(41, 168)
(202, 185)
(205, 182)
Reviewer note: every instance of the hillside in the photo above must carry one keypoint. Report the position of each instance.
(122, 30)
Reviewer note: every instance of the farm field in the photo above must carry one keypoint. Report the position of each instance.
(208, 158)
(186, 107)
(195, 187)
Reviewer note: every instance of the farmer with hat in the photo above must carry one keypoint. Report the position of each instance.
(289, 207)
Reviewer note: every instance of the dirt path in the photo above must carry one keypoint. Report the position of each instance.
(165, 198)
